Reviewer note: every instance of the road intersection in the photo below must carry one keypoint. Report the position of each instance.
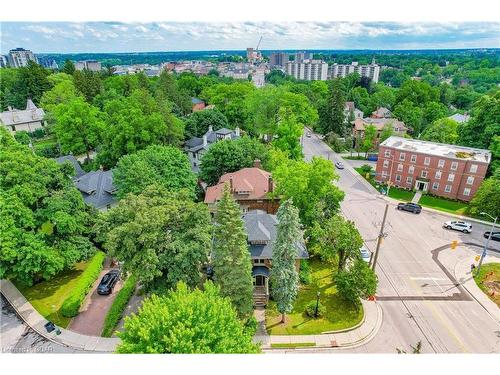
(418, 292)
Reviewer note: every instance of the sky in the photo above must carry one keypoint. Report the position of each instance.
(74, 37)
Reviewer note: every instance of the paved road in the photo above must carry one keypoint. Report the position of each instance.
(417, 289)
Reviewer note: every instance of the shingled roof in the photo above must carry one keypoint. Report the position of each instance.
(22, 116)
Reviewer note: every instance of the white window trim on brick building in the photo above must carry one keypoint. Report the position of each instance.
(466, 192)
(423, 174)
(384, 174)
(398, 178)
(447, 189)
(386, 164)
(402, 156)
(400, 167)
(427, 160)
(454, 165)
(435, 186)
(451, 177)
(473, 168)
(387, 153)
(470, 180)
(411, 169)
(441, 163)
(413, 158)
(409, 180)
(437, 176)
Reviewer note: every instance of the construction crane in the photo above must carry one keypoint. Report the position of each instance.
(258, 44)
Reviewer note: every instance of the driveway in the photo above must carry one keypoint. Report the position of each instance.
(94, 309)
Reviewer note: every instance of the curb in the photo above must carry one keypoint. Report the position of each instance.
(471, 287)
(351, 345)
(36, 322)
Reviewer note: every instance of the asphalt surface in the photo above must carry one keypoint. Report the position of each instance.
(420, 298)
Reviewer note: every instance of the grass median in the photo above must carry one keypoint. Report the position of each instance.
(488, 281)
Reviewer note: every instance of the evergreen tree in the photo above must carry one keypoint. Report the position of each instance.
(284, 276)
(68, 67)
(332, 118)
(230, 257)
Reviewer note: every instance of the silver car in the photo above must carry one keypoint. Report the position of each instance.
(461, 226)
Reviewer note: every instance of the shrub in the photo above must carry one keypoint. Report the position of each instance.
(22, 137)
(305, 272)
(365, 168)
(71, 305)
(250, 326)
(311, 309)
(116, 311)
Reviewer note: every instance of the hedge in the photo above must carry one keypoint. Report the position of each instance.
(71, 305)
(115, 312)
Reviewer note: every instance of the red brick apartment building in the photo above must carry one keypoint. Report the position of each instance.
(449, 171)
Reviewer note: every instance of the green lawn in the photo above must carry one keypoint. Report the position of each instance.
(443, 204)
(340, 314)
(292, 345)
(401, 194)
(489, 281)
(48, 296)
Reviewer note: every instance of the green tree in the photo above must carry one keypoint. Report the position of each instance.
(45, 223)
(228, 156)
(434, 111)
(135, 122)
(163, 165)
(167, 88)
(339, 241)
(487, 198)
(484, 124)
(419, 93)
(185, 322)
(197, 123)
(444, 130)
(284, 277)
(289, 133)
(68, 67)
(369, 138)
(32, 81)
(78, 126)
(331, 115)
(358, 281)
(387, 131)
(231, 256)
(62, 93)
(410, 114)
(88, 83)
(230, 99)
(162, 237)
(309, 184)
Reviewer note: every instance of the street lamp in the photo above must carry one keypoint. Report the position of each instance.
(487, 241)
(317, 305)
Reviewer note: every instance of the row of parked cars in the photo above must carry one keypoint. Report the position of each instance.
(458, 225)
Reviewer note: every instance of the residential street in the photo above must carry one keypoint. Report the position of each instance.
(417, 290)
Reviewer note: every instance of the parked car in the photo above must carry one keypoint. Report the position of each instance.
(366, 254)
(411, 207)
(108, 282)
(339, 165)
(308, 134)
(461, 226)
(495, 236)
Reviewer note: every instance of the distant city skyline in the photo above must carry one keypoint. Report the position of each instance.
(101, 37)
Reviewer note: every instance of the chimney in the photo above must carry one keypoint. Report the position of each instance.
(205, 140)
(210, 129)
(270, 184)
(237, 131)
(257, 164)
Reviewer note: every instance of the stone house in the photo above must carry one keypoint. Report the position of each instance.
(29, 119)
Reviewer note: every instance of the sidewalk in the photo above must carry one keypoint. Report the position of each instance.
(36, 322)
(345, 339)
(464, 277)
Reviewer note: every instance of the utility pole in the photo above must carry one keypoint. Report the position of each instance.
(380, 236)
(487, 241)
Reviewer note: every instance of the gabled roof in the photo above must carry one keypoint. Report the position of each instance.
(382, 112)
(261, 229)
(379, 123)
(18, 116)
(196, 143)
(196, 101)
(458, 117)
(97, 188)
(70, 158)
(247, 183)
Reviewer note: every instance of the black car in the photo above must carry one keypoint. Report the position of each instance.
(495, 236)
(108, 282)
(411, 207)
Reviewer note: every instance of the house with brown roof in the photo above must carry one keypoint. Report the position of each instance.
(360, 124)
(381, 112)
(250, 188)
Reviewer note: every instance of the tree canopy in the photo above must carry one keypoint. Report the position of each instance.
(185, 321)
(198, 123)
(166, 166)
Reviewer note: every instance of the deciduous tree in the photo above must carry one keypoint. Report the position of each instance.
(358, 281)
(185, 322)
